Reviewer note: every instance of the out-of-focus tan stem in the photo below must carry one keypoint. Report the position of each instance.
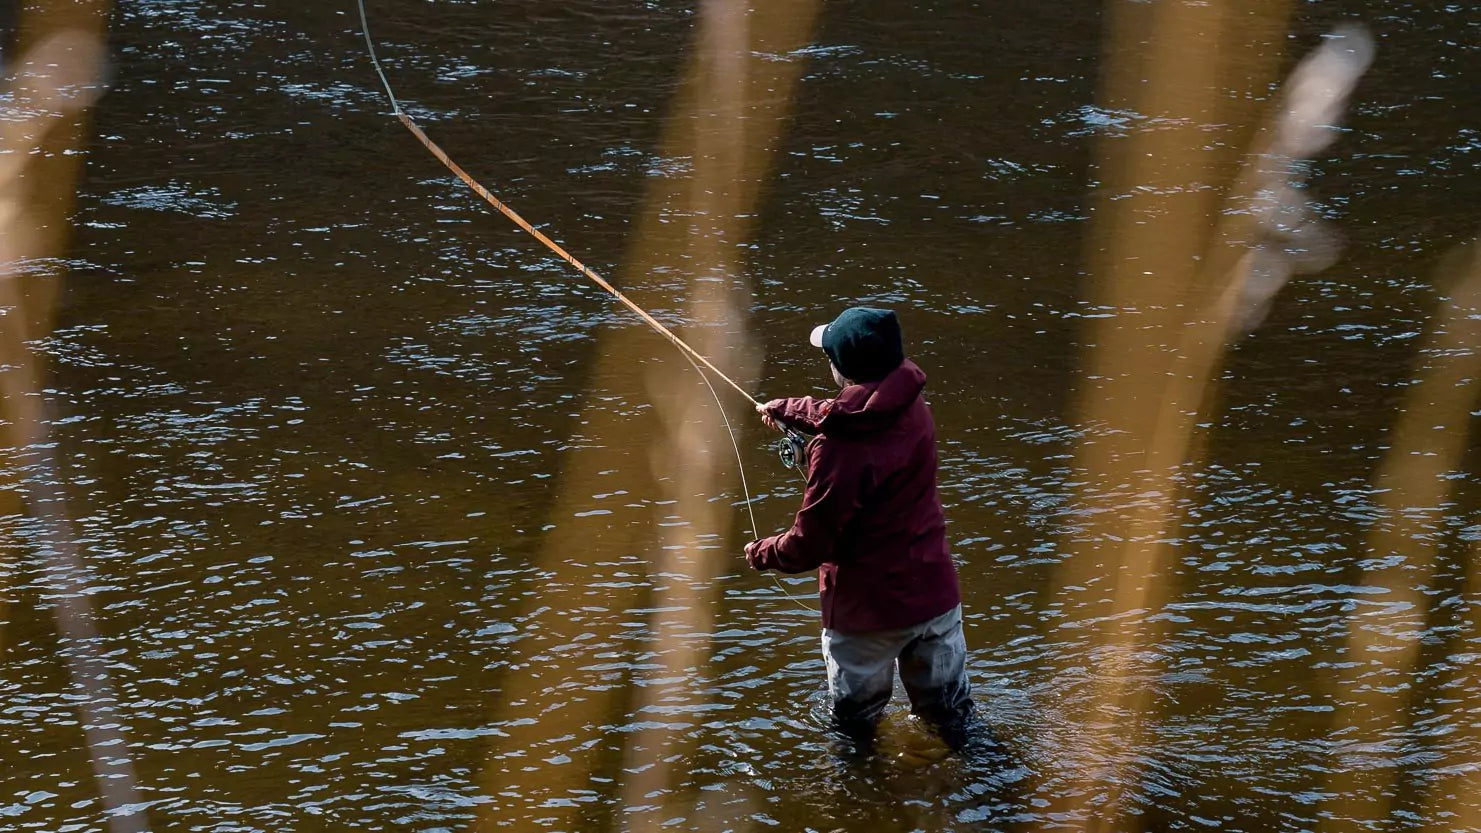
(737, 103)
(1148, 365)
(57, 79)
(1185, 281)
(1428, 443)
(1453, 804)
(47, 192)
(736, 96)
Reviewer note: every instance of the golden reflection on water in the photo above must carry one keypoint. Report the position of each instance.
(736, 95)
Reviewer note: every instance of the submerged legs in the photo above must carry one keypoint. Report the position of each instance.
(932, 658)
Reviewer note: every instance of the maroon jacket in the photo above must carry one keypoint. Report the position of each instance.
(871, 519)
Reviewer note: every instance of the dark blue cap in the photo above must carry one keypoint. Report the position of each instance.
(863, 343)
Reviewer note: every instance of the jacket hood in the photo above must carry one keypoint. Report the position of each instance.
(862, 409)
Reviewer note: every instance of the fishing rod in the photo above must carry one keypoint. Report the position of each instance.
(524, 224)
(790, 448)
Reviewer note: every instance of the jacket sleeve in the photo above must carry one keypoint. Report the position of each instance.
(804, 412)
(830, 501)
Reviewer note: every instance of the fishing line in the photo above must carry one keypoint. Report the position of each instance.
(375, 61)
(694, 357)
(755, 529)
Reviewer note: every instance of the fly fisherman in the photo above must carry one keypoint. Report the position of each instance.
(871, 523)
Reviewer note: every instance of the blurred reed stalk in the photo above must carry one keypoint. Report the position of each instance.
(51, 89)
(733, 102)
(1184, 273)
(1413, 491)
(1453, 801)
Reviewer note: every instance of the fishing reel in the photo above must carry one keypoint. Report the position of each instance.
(792, 450)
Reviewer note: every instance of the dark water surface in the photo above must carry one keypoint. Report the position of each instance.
(316, 407)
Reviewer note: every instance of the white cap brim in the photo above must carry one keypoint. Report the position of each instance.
(816, 339)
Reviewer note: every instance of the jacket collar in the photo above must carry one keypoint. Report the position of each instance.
(862, 409)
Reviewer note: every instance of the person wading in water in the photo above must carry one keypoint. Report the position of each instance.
(871, 523)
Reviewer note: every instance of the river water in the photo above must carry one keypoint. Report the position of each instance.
(365, 474)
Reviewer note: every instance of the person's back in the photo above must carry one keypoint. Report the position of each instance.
(872, 523)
